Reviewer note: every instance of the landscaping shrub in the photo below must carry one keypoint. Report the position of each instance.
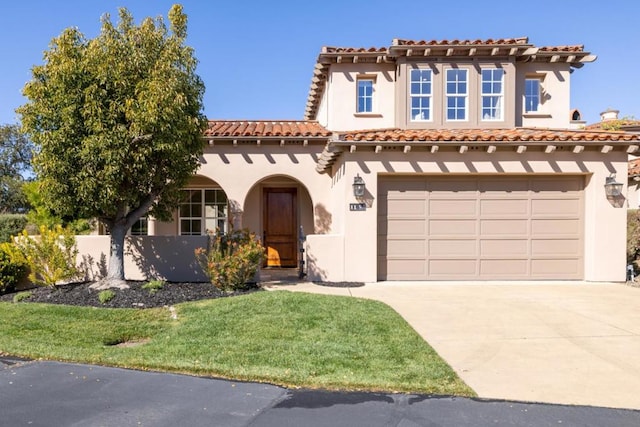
(11, 273)
(230, 260)
(11, 225)
(106, 296)
(633, 235)
(21, 296)
(154, 285)
(50, 257)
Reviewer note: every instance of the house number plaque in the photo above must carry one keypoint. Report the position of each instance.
(357, 206)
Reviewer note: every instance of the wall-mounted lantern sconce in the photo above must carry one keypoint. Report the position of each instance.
(612, 188)
(358, 186)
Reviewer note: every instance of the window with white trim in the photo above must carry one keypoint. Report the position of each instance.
(365, 95)
(140, 227)
(457, 93)
(202, 210)
(420, 91)
(492, 94)
(532, 98)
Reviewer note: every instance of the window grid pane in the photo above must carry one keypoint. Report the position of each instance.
(365, 96)
(206, 207)
(420, 95)
(492, 96)
(456, 88)
(140, 227)
(531, 95)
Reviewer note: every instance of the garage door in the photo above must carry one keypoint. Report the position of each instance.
(480, 227)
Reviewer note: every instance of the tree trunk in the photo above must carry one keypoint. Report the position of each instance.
(115, 268)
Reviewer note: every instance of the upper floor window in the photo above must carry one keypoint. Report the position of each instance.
(202, 210)
(492, 94)
(420, 95)
(532, 95)
(365, 95)
(457, 94)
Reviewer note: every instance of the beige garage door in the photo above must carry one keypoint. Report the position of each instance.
(480, 227)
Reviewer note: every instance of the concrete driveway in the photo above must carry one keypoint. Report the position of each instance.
(567, 343)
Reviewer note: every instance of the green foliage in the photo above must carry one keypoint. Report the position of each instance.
(154, 285)
(15, 160)
(106, 296)
(11, 225)
(617, 124)
(40, 215)
(51, 256)
(230, 260)
(12, 196)
(633, 235)
(21, 296)
(117, 121)
(11, 272)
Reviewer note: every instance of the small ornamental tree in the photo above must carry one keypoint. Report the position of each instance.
(117, 121)
(15, 161)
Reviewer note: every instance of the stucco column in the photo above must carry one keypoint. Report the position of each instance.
(151, 226)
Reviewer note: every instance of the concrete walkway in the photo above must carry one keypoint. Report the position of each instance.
(567, 343)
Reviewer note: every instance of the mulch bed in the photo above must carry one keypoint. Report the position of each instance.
(80, 294)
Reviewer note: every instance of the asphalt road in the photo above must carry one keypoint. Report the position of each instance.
(62, 394)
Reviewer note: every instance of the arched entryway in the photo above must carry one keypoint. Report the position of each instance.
(280, 210)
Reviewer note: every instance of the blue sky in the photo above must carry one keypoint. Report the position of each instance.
(257, 57)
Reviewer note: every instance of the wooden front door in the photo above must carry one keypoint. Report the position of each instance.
(280, 217)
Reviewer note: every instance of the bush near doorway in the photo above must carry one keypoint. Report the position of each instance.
(231, 259)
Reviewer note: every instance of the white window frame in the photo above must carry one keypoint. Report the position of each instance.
(457, 95)
(365, 96)
(215, 211)
(421, 95)
(532, 96)
(140, 227)
(496, 98)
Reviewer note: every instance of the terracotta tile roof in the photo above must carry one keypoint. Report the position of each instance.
(488, 135)
(634, 167)
(571, 48)
(617, 124)
(456, 42)
(265, 128)
(330, 49)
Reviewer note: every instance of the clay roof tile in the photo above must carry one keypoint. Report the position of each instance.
(264, 128)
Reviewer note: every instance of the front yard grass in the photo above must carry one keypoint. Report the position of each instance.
(285, 338)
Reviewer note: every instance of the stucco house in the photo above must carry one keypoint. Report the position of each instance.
(422, 160)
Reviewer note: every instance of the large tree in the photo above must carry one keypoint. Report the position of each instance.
(118, 122)
(15, 163)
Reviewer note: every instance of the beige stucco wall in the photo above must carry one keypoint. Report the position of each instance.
(605, 225)
(244, 170)
(337, 108)
(339, 105)
(342, 244)
(555, 108)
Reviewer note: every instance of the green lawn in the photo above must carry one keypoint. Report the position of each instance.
(286, 338)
